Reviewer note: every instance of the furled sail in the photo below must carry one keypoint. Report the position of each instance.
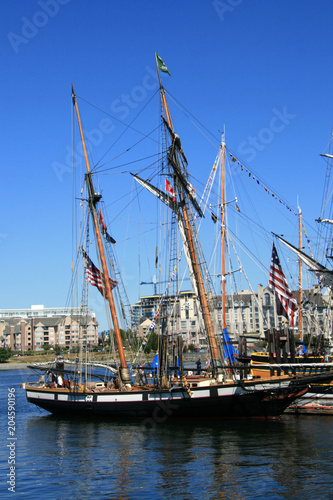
(324, 275)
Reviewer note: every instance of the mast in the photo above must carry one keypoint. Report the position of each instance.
(223, 231)
(94, 198)
(300, 274)
(180, 186)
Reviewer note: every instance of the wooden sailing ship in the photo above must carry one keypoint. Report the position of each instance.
(217, 395)
(281, 355)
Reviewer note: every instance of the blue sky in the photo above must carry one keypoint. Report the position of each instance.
(261, 70)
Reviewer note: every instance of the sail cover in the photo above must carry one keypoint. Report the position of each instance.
(324, 275)
(228, 349)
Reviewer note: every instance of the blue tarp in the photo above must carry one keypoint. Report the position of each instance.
(155, 361)
(228, 349)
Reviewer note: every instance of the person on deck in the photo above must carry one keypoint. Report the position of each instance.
(60, 381)
(53, 379)
(300, 350)
(198, 363)
(207, 366)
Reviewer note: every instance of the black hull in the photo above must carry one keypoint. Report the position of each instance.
(159, 406)
(325, 389)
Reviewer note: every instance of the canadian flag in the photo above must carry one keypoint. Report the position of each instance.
(169, 189)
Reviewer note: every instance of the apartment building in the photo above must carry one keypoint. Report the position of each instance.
(32, 329)
(245, 312)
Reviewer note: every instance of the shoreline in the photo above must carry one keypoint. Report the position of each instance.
(13, 366)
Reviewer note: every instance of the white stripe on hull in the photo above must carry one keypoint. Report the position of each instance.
(202, 394)
(114, 398)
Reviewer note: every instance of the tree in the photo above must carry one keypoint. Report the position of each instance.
(102, 338)
(152, 344)
(57, 349)
(135, 343)
(4, 354)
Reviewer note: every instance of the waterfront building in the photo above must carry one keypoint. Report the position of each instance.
(246, 312)
(34, 328)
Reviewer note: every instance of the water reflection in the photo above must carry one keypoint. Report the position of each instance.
(214, 460)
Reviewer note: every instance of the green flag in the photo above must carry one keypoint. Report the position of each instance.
(161, 65)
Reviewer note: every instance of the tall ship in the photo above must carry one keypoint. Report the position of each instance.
(224, 391)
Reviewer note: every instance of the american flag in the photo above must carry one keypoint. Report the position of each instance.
(285, 300)
(95, 277)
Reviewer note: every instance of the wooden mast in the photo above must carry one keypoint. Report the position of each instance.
(223, 232)
(216, 362)
(94, 198)
(300, 275)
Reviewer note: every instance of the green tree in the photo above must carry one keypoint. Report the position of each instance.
(57, 349)
(191, 347)
(135, 343)
(152, 344)
(4, 354)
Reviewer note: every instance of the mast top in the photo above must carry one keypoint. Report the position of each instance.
(73, 96)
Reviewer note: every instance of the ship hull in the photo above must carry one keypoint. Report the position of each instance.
(235, 401)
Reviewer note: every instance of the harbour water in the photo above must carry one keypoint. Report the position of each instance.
(59, 459)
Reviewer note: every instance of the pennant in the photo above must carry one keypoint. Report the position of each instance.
(104, 229)
(109, 238)
(214, 218)
(101, 221)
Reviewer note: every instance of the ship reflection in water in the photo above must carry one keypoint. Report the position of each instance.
(85, 459)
